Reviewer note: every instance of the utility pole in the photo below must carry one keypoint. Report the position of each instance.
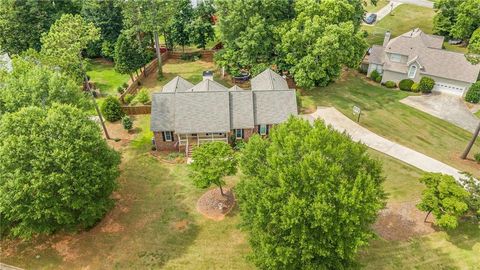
(85, 77)
(470, 144)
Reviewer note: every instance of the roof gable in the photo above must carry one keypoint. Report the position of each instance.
(269, 80)
(177, 84)
(207, 85)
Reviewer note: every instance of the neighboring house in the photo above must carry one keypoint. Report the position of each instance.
(5, 62)
(415, 54)
(185, 115)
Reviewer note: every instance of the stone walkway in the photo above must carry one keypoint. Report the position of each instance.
(358, 133)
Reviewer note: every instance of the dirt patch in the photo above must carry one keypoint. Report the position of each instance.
(64, 248)
(214, 205)
(401, 221)
(180, 225)
(120, 137)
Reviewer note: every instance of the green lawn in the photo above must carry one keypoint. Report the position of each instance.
(103, 74)
(403, 19)
(383, 114)
(371, 8)
(478, 113)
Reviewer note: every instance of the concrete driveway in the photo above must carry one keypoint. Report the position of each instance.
(422, 3)
(447, 107)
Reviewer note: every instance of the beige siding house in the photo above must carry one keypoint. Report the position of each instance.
(415, 54)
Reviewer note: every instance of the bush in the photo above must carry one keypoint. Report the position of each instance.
(111, 109)
(190, 56)
(426, 84)
(125, 85)
(120, 90)
(127, 123)
(406, 84)
(128, 98)
(374, 75)
(390, 84)
(477, 157)
(143, 96)
(473, 93)
(415, 87)
(379, 79)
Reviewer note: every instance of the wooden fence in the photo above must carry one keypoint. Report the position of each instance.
(136, 110)
(206, 55)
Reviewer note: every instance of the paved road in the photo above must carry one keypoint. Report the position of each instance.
(422, 3)
(358, 133)
(447, 107)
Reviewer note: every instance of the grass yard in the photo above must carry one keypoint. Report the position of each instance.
(403, 19)
(372, 9)
(383, 114)
(103, 74)
(478, 113)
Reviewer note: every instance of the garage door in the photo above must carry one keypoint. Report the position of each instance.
(449, 89)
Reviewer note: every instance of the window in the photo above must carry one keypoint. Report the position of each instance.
(412, 71)
(395, 57)
(167, 136)
(263, 129)
(239, 133)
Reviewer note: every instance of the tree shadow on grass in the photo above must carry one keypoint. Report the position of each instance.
(466, 235)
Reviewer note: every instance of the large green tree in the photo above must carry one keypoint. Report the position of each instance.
(107, 16)
(309, 197)
(22, 22)
(211, 163)
(201, 27)
(249, 32)
(180, 29)
(33, 84)
(129, 55)
(323, 37)
(457, 19)
(443, 197)
(62, 46)
(473, 54)
(56, 171)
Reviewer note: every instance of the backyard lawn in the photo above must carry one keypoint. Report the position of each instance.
(372, 9)
(103, 74)
(383, 114)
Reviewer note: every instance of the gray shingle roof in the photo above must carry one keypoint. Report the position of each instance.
(210, 107)
(426, 50)
(202, 112)
(241, 109)
(269, 80)
(274, 107)
(163, 112)
(377, 55)
(178, 84)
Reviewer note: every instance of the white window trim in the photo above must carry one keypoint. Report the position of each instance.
(169, 134)
(393, 57)
(412, 67)
(264, 127)
(241, 133)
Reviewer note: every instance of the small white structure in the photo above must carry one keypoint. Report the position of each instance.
(6, 62)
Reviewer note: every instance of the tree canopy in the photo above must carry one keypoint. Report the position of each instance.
(457, 19)
(107, 16)
(211, 163)
(22, 22)
(56, 171)
(129, 55)
(180, 28)
(443, 197)
(33, 84)
(201, 29)
(473, 55)
(309, 197)
(63, 44)
(321, 39)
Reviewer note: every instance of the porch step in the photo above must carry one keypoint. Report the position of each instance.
(190, 150)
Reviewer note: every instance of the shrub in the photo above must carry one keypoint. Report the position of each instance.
(477, 157)
(143, 96)
(426, 84)
(128, 98)
(473, 93)
(190, 56)
(120, 90)
(379, 79)
(374, 75)
(111, 109)
(390, 84)
(406, 84)
(415, 87)
(125, 85)
(127, 123)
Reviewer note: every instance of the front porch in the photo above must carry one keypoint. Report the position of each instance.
(191, 141)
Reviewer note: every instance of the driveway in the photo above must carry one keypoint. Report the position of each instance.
(447, 107)
(360, 134)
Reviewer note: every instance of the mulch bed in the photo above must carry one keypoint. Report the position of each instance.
(215, 206)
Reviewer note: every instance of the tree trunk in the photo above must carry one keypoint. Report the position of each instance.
(159, 55)
(425, 220)
(131, 77)
(470, 144)
(221, 190)
(183, 48)
(136, 71)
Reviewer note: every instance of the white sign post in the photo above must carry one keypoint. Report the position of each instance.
(357, 111)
